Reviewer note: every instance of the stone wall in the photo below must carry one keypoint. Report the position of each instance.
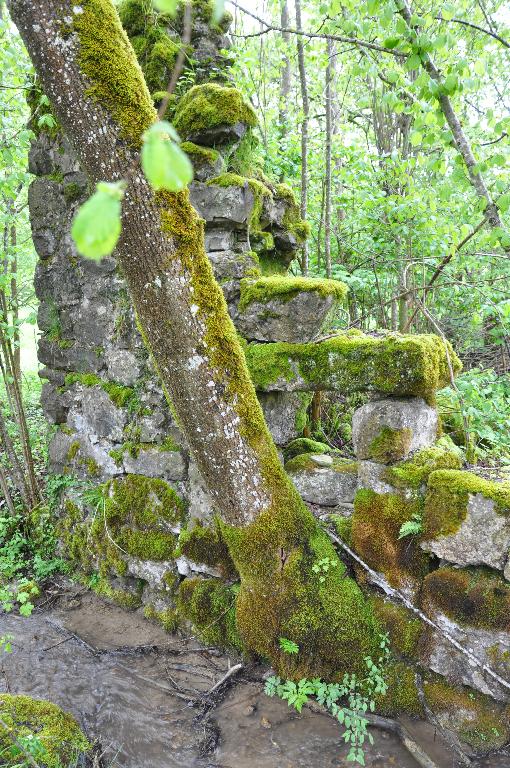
(138, 524)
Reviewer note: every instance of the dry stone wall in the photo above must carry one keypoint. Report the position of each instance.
(138, 523)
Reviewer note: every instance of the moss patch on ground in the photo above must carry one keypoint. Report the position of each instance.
(476, 597)
(376, 524)
(58, 732)
(266, 289)
(448, 496)
(350, 362)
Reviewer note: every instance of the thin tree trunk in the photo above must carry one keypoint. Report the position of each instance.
(92, 79)
(327, 215)
(285, 80)
(461, 140)
(304, 132)
(15, 306)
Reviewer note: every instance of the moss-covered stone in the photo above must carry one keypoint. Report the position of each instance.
(404, 628)
(205, 545)
(257, 187)
(402, 696)
(210, 605)
(351, 362)
(414, 472)
(448, 496)
(475, 718)
(343, 527)
(390, 444)
(266, 289)
(129, 600)
(292, 220)
(376, 524)
(72, 192)
(120, 395)
(476, 597)
(304, 462)
(209, 106)
(304, 445)
(58, 732)
(168, 618)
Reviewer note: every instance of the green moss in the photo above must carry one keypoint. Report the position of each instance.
(134, 16)
(301, 416)
(209, 106)
(304, 445)
(402, 694)
(168, 618)
(476, 719)
(286, 288)
(414, 365)
(448, 496)
(57, 731)
(160, 62)
(121, 396)
(414, 472)
(343, 527)
(110, 65)
(404, 629)
(72, 533)
(376, 524)
(168, 444)
(73, 450)
(205, 545)
(390, 445)
(304, 462)
(473, 596)
(202, 155)
(292, 220)
(130, 601)
(210, 605)
(72, 192)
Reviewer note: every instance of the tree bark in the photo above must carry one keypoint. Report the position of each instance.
(285, 79)
(89, 71)
(304, 131)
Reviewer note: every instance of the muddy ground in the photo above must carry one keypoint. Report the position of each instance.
(145, 697)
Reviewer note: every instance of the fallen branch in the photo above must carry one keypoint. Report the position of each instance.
(232, 671)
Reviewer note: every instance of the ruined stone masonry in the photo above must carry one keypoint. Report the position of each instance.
(138, 523)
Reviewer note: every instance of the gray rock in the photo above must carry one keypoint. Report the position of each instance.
(221, 134)
(222, 206)
(482, 539)
(219, 240)
(68, 358)
(321, 459)
(297, 320)
(151, 571)
(122, 366)
(169, 465)
(55, 404)
(325, 486)
(490, 648)
(58, 451)
(229, 265)
(371, 476)
(99, 417)
(405, 425)
(282, 411)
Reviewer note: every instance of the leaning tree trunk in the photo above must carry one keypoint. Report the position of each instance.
(89, 71)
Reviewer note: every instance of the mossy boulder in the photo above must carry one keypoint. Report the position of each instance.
(414, 472)
(304, 445)
(60, 737)
(206, 162)
(350, 362)
(280, 308)
(210, 606)
(322, 479)
(205, 545)
(467, 519)
(376, 524)
(212, 114)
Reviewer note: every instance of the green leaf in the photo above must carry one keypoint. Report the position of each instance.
(97, 226)
(504, 202)
(166, 6)
(413, 62)
(479, 67)
(164, 163)
(218, 10)
(416, 138)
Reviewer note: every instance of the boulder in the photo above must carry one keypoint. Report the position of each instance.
(285, 413)
(325, 486)
(390, 430)
(222, 206)
(122, 366)
(151, 462)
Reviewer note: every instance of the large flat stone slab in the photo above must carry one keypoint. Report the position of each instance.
(393, 364)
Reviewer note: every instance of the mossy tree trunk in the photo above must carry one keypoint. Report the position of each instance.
(89, 71)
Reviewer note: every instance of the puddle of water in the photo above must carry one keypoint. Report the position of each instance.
(125, 700)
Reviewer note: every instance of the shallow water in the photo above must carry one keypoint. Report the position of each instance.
(135, 704)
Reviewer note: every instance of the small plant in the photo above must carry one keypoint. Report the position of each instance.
(348, 701)
(6, 643)
(411, 527)
(288, 646)
(322, 567)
